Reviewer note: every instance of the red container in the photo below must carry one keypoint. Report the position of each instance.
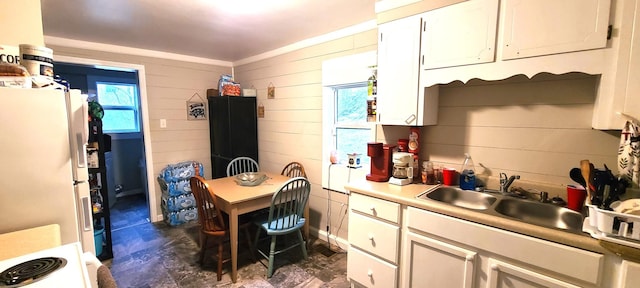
(414, 140)
(449, 176)
(575, 197)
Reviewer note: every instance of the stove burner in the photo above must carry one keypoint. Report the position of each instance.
(30, 271)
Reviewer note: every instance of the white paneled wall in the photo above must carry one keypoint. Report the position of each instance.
(291, 129)
(537, 128)
(170, 84)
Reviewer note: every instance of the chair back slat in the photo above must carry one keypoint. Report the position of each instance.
(287, 204)
(242, 164)
(294, 169)
(209, 215)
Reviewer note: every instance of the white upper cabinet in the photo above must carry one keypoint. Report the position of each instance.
(542, 27)
(619, 89)
(460, 34)
(401, 99)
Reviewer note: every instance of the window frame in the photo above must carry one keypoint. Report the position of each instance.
(93, 94)
(135, 107)
(342, 72)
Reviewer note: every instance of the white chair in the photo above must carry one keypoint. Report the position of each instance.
(241, 165)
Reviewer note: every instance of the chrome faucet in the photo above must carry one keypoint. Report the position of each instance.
(505, 182)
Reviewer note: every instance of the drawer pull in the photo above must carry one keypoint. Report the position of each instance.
(495, 267)
(370, 236)
(370, 273)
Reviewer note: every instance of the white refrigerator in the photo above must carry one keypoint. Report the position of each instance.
(43, 163)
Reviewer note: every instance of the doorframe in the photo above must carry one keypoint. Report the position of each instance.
(146, 130)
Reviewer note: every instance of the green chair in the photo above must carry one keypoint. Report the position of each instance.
(242, 164)
(286, 216)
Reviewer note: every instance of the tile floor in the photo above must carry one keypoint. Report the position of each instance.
(158, 255)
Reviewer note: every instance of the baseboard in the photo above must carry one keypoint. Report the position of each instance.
(322, 235)
(129, 192)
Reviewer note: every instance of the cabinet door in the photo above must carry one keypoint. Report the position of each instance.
(630, 274)
(398, 71)
(503, 274)
(535, 27)
(460, 34)
(433, 263)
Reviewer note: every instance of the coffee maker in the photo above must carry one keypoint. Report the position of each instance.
(381, 165)
(402, 173)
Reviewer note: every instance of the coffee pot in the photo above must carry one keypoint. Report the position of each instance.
(402, 168)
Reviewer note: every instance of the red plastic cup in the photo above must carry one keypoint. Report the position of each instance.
(449, 176)
(575, 197)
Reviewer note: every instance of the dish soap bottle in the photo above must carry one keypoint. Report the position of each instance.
(467, 174)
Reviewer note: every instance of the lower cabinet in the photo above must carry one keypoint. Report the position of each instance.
(444, 251)
(374, 242)
(433, 263)
(393, 245)
(629, 274)
(503, 274)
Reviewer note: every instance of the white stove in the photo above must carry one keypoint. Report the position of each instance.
(67, 265)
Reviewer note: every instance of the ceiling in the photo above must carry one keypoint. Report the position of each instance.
(222, 30)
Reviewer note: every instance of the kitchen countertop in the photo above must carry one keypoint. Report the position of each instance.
(406, 195)
(27, 241)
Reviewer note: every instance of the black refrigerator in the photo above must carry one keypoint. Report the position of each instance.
(233, 127)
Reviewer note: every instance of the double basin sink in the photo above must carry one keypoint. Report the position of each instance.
(496, 204)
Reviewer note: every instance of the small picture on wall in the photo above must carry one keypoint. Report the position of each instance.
(196, 111)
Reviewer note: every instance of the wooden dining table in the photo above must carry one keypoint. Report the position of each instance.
(235, 200)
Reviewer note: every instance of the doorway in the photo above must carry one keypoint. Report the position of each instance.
(135, 148)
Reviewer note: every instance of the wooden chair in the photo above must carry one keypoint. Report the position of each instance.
(242, 164)
(213, 222)
(286, 216)
(294, 169)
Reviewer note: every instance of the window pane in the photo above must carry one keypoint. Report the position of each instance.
(119, 121)
(350, 140)
(119, 95)
(351, 104)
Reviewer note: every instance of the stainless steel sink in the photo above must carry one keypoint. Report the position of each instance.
(540, 214)
(496, 204)
(462, 198)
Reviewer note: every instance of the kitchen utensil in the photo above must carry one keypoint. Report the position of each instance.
(586, 172)
(576, 175)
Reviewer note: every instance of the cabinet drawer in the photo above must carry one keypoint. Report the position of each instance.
(376, 237)
(370, 271)
(375, 207)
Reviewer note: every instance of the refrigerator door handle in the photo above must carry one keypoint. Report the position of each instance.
(86, 214)
(82, 149)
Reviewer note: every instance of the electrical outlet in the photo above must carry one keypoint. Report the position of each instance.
(163, 123)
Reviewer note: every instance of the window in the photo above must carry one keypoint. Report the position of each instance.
(344, 117)
(120, 104)
(351, 130)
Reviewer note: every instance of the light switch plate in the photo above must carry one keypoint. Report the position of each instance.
(163, 123)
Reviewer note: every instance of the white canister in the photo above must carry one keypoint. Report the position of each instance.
(37, 60)
(353, 160)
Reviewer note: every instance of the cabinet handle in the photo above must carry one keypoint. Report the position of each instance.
(495, 267)
(410, 119)
(370, 273)
(370, 236)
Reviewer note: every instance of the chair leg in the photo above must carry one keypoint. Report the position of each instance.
(203, 245)
(220, 261)
(271, 256)
(302, 244)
